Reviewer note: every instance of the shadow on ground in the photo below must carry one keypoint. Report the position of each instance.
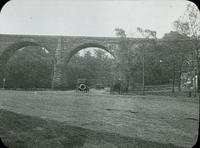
(20, 131)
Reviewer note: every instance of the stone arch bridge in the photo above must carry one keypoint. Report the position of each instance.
(60, 48)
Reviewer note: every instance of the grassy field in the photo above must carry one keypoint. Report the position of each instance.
(98, 119)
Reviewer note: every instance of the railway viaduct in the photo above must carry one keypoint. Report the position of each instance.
(60, 48)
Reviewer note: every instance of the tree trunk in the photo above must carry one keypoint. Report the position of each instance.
(173, 80)
(198, 73)
(197, 65)
(127, 83)
(179, 81)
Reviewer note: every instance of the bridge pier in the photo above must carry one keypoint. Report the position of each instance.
(57, 82)
(57, 79)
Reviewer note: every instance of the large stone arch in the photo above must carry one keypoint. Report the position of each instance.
(10, 50)
(63, 58)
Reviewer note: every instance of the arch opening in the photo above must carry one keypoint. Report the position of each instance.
(88, 61)
(17, 59)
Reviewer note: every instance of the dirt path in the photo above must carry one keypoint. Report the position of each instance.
(159, 119)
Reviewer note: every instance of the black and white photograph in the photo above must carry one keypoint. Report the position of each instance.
(99, 74)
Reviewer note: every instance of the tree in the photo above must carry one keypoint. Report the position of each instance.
(189, 24)
(176, 53)
(120, 33)
(146, 33)
(104, 63)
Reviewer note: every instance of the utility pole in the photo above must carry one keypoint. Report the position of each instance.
(143, 75)
(4, 81)
(146, 34)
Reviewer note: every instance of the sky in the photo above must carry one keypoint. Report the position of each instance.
(89, 18)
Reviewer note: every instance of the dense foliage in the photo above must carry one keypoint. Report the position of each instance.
(95, 68)
(30, 67)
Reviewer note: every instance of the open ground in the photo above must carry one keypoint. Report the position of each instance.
(96, 119)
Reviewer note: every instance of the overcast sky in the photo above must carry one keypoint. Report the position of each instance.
(89, 18)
